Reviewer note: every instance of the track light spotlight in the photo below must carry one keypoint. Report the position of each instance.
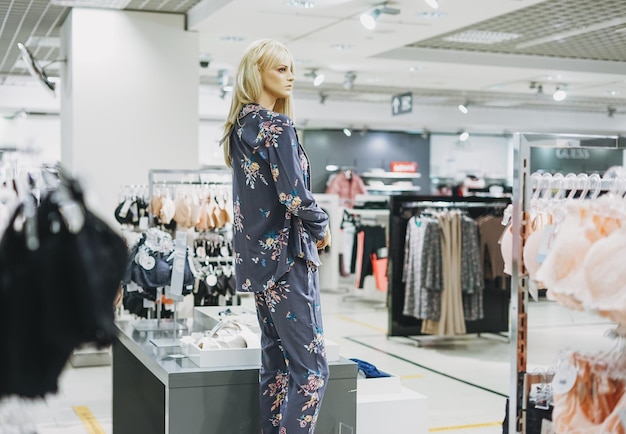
(463, 108)
(432, 3)
(348, 81)
(463, 136)
(559, 94)
(611, 111)
(347, 132)
(369, 19)
(316, 76)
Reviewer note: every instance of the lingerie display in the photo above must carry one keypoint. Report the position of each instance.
(202, 210)
(63, 266)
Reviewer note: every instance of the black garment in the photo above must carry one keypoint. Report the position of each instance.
(58, 295)
(375, 238)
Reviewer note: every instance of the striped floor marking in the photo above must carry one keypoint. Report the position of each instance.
(88, 419)
(468, 426)
(411, 377)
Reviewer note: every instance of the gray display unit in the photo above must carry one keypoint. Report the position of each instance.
(158, 390)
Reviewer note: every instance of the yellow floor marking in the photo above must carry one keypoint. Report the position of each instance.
(361, 323)
(88, 419)
(468, 426)
(411, 377)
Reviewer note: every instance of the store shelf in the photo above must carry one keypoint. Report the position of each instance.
(391, 175)
(392, 188)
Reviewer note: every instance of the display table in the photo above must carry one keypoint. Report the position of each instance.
(158, 390)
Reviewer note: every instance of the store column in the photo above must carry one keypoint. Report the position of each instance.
(129, 99)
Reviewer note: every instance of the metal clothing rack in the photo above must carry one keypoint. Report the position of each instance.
(522, 191)
(496, 302)
(173, 177)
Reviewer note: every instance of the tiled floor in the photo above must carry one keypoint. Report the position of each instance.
(465, 379)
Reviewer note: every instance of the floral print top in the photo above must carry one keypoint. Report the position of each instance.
(276, 219)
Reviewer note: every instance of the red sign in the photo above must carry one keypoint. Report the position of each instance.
(404, 166)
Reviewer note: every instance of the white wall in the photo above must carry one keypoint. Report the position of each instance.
(130, 99)
(41, 133)
(483, 156)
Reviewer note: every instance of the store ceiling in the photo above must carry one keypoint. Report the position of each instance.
(507, 54)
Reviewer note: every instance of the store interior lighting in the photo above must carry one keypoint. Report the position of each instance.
(464, 108)
(347, 132)
(559, 94)
(432, 3)
(348, 81)
(611, 111)
(463, 136)
(369, 19)
(318, 78)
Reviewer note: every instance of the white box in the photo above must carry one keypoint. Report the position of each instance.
(404, 412)
(377, 386)
(223, 357)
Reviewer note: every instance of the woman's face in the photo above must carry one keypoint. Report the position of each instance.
(278, 81)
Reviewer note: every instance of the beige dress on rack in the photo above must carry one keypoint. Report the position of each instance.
(452, 320)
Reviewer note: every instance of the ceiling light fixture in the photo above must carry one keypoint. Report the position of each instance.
(347, 132)
(463, 136)
(369, 19)
(559, 94)
(318, 78)
(537, 86)
(432, 3)
(348, 81)
(463, 108)
(611, 111)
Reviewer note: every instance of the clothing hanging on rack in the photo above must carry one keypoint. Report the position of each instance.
(63, 265)
(478, 307)
(347, 184)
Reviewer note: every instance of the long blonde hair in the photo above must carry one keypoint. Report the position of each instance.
(260, 56)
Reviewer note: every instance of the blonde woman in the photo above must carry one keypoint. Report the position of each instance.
(278, 229)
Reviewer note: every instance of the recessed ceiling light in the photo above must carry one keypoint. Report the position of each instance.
(481, 37)
(232, 38)
(301, 4)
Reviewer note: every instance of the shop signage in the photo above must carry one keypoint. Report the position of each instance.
(572, 154)
(402, 103)
(404, 166)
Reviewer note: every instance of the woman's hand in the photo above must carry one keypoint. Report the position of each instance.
(325, 242)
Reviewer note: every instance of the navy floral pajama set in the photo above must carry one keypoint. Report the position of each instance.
(276, 226)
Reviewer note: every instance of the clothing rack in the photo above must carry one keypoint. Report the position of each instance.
(523, 185)
(495, 301)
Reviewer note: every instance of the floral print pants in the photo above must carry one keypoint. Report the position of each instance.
(294, 369)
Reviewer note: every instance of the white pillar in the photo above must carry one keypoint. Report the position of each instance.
(129, 102)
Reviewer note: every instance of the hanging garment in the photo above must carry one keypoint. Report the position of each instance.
(423, 269)
(490, 229)
(451, 321)
(347, 187)
(472, 282)
(373, 238)
(66, 266)
(594, 404)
